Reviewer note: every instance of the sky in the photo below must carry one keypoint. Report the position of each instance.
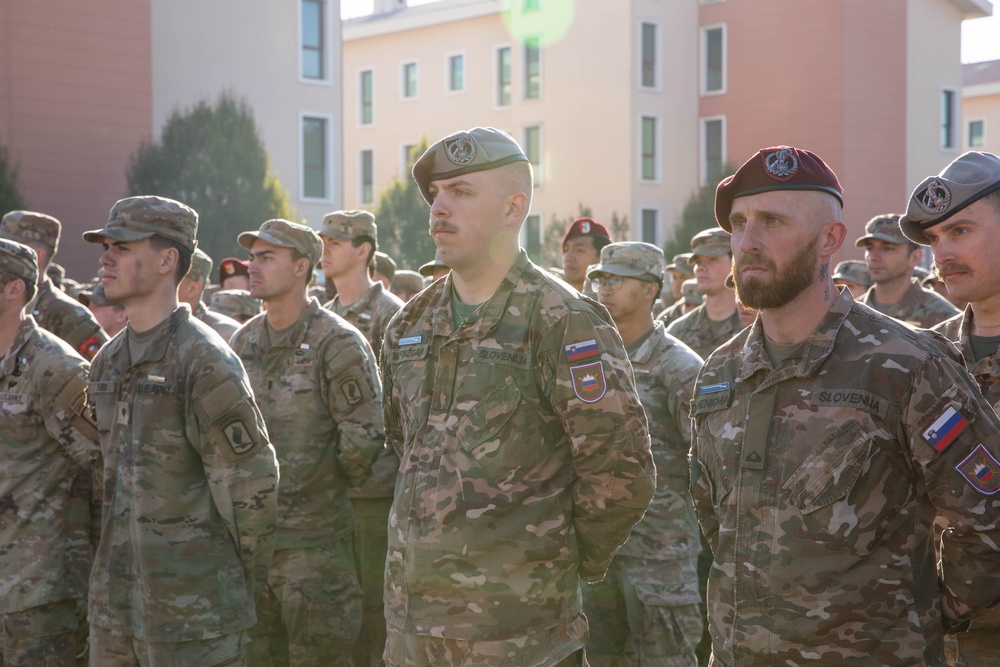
(980, 37)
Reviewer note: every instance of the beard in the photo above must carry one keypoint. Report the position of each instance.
(762, 293)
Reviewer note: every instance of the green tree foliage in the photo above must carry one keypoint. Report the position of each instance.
(556, 229)
(698, 215)
(402, 216)
(10, 194)
(212, 158)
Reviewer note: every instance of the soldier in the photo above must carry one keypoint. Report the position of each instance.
(236, 304)
(385, 269)
(827, 437)
(190, 479)
(434, 269)
(653, 577)
(581, 247)
(678, 271)
(49, 449)
(891, 259)
(957, 213)
(525, 469)
(234, 274)
(406, 284)
(716, 320)
(52, 309)
(192, 288)
(852, 274)
(109, 314)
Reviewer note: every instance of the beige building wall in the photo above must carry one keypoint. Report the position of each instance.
(981, 104)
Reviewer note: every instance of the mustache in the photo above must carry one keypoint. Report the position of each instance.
(952, 266)
(755, 259)
(441, 226)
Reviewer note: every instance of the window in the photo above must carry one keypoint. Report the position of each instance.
(649, 55)
(532, 68)
(366, 95)
(713, 59)
(533, 237)
(313, 42)
(409, 80)
(456, 73)
(503, 76)
(650, 172)
(713, 145)
(650, 225)
(533, 149)
(948, 115)
(977, 133)
(367, 176)
(315, 165)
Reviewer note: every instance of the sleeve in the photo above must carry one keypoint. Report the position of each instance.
(592, 391)
(390, 411)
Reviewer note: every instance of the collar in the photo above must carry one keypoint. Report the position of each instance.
(650, 345)
(367, 300)
(300, 330)
(156, 350)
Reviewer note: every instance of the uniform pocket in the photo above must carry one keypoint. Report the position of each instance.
(482, 435)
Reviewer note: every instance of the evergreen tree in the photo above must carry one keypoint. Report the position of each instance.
(403, 219)
(698, 215)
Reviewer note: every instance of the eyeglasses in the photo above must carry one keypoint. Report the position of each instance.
(612, 282)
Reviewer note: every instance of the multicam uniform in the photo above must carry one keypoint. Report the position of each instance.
(219, 323)
(671, 313)
(651, 591)
(702, 334)
(48, 444)
(190, 488)
(320, 394)
(525, 463)
(370, 314)
(817, 483)
(918, 307)
(67, 318)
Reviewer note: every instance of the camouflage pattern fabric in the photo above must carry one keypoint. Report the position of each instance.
(701, 334)
(525, 459)
(110, 650)
(918, 307)
(42, 635)
(190, 488)
(817, 484)
(67, 318)
(370, 314)
(219, 323)
(671, 313)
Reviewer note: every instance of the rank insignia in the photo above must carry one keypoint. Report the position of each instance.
(948, 426)
(981, 470)
(582, 350)
(588, 381)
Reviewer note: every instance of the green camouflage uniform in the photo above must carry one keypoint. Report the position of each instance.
(219, 323)
(651, 591)
(525, 463)
(918, 307)
(817, 484)
(68, 319)
(702, 334)
(671, 313)
(370, 314)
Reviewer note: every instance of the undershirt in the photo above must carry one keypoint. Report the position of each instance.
(778, 353)
(983, 346)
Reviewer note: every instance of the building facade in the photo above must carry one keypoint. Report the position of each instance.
(981, 106)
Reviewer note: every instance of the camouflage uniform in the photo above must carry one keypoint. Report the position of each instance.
(525, 463)
(701, 334)
(235, 304)
(817, 484)
(651, 591)
(219, 323)
(370, 314)
(671, 313)
(918, 307)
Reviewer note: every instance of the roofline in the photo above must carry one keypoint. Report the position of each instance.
(421, 16)
(981, 89)
(974, 9)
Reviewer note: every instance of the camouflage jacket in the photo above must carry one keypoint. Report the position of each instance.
(701, 334)
(671, 313)
(816, 484)
(219, 323)
(918, 307)
(190, 487)
(67, 318)
(321, 397)
(48, 441)
(986, 371)
(525, 457)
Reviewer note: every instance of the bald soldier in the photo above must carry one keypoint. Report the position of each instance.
(524, 451)
(191, 290)
(51, 309)
(827, 438)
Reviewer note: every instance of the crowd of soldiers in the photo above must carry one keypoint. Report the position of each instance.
(745, 456)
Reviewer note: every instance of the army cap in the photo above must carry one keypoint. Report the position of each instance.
(19, 259)
(713, 242)
(690, 292)
(586, 227)
(347, 225)
(407, 281)
(630, 259)
(384, 264)
(853, 270)
(969, 178)
(201, 266)
(681, 264)
(233, 266)
(236, 303)
(427, 270)
(98, 297)
(138, 218)
(465, 152)
(884, 228)
(31, 227)
(286, 234)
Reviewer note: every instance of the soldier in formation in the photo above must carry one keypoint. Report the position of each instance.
(192, 289)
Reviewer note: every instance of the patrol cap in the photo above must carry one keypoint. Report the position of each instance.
(201, 266)
(969, 178)
(98, 297)
(19, 259)
(233, 266)
(236, 303)
(853, 270)
(465, 152)
(777, 168)
(407, 281)
(681, 264)
(690, 292)
(631, 259)
(427, 270)
(31, 227)
(286, 234)
(587, 227)
(884, 228)
(713, 242)
(347, 225)
(56, 273)
(138, 218)
(384, 264)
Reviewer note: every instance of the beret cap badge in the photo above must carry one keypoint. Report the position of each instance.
(935, 198)
(461, 150)
(781, 164)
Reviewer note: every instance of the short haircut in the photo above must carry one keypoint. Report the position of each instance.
(30, 289)
(516, 177)
(158, 243)
(358, 240)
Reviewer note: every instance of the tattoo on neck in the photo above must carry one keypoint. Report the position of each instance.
(824, 271)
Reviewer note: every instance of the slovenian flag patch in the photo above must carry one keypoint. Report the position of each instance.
(945, 429)
(582, 350)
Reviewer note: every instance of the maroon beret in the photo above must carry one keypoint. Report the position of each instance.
(231, 266)
(778, 168)
(586, 227)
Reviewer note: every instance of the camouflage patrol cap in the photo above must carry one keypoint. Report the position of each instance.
(427, 270)
(690, 292)
(713, 242)
(631, 259)
(385, 265)
(407, 281)
(853, 270)
(31, 227)
(465, 152)
(681, 264)
(286, 234)
(236, 303)
(884, 228)
(347, 225)
(201, 266)
(98, 297)
(138, 218)
(969, 178)
(19, 259)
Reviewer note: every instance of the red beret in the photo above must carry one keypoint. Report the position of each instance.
(778, 168)
(586, 227)
(232, 266)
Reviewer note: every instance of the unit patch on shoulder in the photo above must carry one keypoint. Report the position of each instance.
(588, 381)
(352, 392)
(981, 470)
(948, 426)
(583, 349)
(236, 434)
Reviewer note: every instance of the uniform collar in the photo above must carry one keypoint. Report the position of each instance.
(488, 315)
(300, 330)
(24, 332)
(367, 300)
(650, 345)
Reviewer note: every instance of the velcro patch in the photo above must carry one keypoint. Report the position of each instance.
(411, 340)
(237, 436)
(948, 426)
(981, 470)
(583, 349)
(588, 381)
(352, 392)
(850, 397)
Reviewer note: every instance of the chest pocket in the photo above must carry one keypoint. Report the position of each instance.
(482, 436)
(103, 395)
